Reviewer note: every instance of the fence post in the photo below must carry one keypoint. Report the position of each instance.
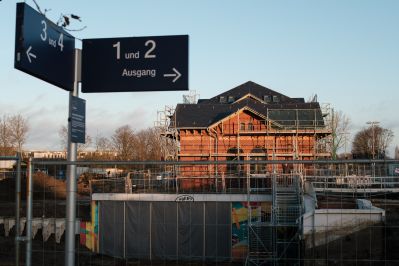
(17, 208)
(29, 196)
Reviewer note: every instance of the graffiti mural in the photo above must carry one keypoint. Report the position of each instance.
(89, 230)
(239, 226)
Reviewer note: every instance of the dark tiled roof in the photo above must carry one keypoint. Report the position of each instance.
(208, 112)
(200, 115)
(250, 88)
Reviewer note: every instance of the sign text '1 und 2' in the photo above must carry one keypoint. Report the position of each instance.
(157, 63)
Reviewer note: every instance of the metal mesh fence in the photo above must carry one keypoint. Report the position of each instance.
(309, 213)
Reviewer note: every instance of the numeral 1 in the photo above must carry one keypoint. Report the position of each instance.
(118, 49)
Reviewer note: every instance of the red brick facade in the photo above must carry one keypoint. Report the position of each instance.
(244, 136)
(249, 122)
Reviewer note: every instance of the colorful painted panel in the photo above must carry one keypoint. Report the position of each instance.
(89, 230)
(239, 227)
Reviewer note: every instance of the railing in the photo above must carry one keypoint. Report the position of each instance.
(11, 175)
(232, 177)
(287, 215)
(286, 180)
(354, 183)
(6, 175)
(246, 127)
(355, 177)
(261, 184)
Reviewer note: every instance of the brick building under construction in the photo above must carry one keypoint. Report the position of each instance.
(248, 122)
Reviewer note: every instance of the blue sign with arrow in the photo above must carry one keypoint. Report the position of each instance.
(43, 49)
(155, 63)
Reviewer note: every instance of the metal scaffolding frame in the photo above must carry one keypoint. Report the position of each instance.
(166, 123)
(275, 239)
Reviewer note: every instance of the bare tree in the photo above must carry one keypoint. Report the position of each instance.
(154, 151)
(124, 142)
(340, 125)
(63, 134)
(84, 146)
(19, 130)
(103, 148)
(149, 146)
(372, 142)
(6, 147)
(396, 153)
(103, 144)
(13, 133)
(383, 139)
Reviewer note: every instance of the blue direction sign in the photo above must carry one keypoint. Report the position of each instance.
(157, 63)
(78, 120)
(43, 49)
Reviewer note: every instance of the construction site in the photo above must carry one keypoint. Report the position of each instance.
(247, 178)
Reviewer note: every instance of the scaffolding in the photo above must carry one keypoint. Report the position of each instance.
(166, 125)
(327, 142)
(275, 239)
(274, 235)
(191, 98)
(240, 137)
(168, 133)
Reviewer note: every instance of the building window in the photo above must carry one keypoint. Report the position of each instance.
(231, 99)
(267, 98)
(250, 126)
(242, 126)
(222, 99)
(234, 169)
(258, 154)
(276, 99)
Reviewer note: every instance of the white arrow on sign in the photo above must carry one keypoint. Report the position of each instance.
(29, 54)
(177, 75)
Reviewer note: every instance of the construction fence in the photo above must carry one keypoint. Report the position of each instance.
(156, 211)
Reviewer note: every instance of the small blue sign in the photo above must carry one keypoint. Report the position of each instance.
(78, 120)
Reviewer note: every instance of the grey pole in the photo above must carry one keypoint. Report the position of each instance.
(29, 188)
(17, 208)
(71, 174)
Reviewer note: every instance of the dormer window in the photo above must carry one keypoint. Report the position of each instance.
(267, 98)
(230, 99)
(276, 99)
(222, 99)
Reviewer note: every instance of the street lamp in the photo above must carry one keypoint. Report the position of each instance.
(373, 124)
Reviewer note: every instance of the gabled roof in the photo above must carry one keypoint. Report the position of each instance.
(248, 96)
(208, 112)
(250, 89)
(245, 108)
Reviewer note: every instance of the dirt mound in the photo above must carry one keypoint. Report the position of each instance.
(53, 188)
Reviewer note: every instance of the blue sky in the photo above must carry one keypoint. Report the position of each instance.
(346, 52)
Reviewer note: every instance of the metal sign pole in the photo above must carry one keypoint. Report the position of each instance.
(71, 174)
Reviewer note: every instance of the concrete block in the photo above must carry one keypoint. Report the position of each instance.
(9, 223)
(22, 222)
(48, 228)
(59, 229)
(37, 223)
